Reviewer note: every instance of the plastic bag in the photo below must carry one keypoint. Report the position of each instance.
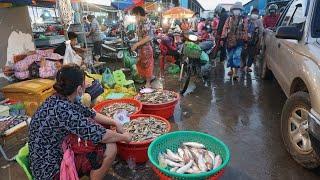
(107, 79)
(204, 58)
(192, 50)
(122, 116)
(173, 69)
(70, 56)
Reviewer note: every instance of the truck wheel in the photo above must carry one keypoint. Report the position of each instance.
(266, 73)
(294, 125)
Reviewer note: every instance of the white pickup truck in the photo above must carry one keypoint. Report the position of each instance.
(292, 54)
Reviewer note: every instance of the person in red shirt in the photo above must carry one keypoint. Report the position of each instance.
(270, 20)
(215, 24)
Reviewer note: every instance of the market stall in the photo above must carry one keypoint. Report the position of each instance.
(145, 113)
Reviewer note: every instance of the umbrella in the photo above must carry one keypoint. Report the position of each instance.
(178, 13)
(124, 4)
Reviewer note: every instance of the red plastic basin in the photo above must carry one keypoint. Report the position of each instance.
(98, 107)
(137, 151)
(159, 105)
(165, 112)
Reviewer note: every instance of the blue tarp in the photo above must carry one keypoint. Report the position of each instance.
(17, 1)
(122, 4)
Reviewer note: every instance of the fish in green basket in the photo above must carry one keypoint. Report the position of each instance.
(190, 158)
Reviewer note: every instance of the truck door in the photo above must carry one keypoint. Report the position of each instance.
(287, 50)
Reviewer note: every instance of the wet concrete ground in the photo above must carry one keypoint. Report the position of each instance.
(245, 114)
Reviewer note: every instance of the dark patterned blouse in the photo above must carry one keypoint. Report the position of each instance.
(55, 119)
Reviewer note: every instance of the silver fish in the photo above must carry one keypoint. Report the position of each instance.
(211, 154)
(184, 168)
(208, 160)
(195, 154)
(190, 171)
(174, 157)
(201, 163)
(195, 168)
(217, 161)
(162, 161)
(194, 144)
(187, 155)
(181, 153)
(173, 164)
(174, 169)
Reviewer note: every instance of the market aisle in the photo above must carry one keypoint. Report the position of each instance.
(244, 114)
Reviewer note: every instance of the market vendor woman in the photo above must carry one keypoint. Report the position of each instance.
(145, 63)
(61, 115)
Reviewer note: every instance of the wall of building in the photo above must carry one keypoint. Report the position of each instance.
(195, 6)
(259, 4)
(16, 35)
(184, 3)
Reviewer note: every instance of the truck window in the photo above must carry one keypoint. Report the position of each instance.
(315, 26)
(295, 14)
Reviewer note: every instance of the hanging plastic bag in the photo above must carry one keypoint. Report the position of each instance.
(68, 170)
(204, 58)
(107, 79)
(70, 56)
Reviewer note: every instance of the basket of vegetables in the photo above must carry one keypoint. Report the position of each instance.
(188, 155)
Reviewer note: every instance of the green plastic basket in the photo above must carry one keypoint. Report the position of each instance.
(173, 141)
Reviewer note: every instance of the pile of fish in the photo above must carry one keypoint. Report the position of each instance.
(191, 158)
(111, 109)
(157, 97)
(144, 128)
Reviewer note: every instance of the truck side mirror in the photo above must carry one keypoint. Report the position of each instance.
(289, 32)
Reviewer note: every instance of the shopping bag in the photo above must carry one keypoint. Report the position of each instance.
(96, 88)
(204, 58)
(70, 56)
(107, 79)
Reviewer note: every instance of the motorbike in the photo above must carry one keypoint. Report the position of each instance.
(129, 59)
(111, 48)
(193, 65)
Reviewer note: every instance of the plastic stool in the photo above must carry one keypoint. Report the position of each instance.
(23, 160)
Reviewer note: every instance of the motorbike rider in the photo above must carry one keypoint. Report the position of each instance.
(201, 24)
(206, 39)
(168, 48)
(270, 20)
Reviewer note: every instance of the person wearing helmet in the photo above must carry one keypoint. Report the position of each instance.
(235, 33)
(215, 23)
(255, 29)
(270, 20)
(201, 25)
(206, 39)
